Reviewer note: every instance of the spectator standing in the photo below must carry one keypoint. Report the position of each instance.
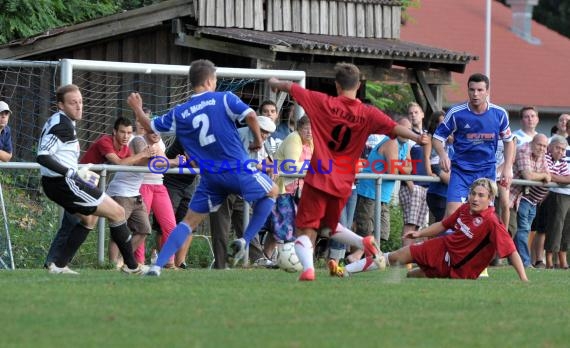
(413, 194)
(5, 134)
(180, 191)
(385, 157)
(436, 195)
(293, 155)
(287, 124)
(155, 196)
(529, 121)
(268, 108)
(530, 164)
(264, 164)
(556, 164)
(124, 188)
(561, 125)
(557, 205)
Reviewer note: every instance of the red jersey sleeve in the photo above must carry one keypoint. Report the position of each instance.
(305, 97)
(501, 239)
(379, 122)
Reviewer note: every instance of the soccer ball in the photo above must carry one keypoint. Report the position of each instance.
(287, 259)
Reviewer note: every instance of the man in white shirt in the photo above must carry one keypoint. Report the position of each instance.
(529, 122)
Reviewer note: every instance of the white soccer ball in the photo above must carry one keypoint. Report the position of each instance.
(287, 259)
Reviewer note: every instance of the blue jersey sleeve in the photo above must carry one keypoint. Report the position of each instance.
(166, 123)
(445, 129)
(236, 109)
(505, 129)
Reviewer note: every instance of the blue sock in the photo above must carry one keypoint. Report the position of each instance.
(173, 243)
(261, 211)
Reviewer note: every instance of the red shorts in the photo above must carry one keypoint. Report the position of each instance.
(318, 209)
(431, 257)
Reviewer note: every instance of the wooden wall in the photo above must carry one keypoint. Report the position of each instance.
(356, 18)
(335, 17)
(246, 14)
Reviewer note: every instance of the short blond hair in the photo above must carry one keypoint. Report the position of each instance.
(489, 184)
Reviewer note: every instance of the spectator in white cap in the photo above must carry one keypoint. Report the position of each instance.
(267, 126)
(264, 159)
(5, 135)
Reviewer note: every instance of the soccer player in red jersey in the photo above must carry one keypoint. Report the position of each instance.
(340, 127)
(477, 235)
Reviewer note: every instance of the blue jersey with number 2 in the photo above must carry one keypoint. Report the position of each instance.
(205, 126)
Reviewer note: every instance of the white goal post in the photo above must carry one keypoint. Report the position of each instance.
(68, 66)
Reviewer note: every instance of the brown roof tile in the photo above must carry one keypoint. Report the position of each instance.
(375, 48)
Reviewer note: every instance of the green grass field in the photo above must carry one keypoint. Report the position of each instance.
(269, 308)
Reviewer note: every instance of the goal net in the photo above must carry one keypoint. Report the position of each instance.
(29, 89)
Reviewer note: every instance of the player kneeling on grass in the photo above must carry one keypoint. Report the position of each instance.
(477, 235)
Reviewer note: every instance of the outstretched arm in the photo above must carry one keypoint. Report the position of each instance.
(279, 85)
(444, 162)
(407, 133)
(509, 157)
(516, 261)
(135, 102)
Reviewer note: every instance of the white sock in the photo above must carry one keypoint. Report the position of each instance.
(387, 259)
(346, 236)
(362, 265)
(304, 251)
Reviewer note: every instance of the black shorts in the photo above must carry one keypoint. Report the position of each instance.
(541, 218)
(73, 196)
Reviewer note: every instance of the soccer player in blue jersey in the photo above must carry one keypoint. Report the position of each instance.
(476, 125)
(205, 125)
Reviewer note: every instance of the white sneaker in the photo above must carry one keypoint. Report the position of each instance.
(140, 270)
(484, 274)
(265, 262)
(154, 271)
(53, 269)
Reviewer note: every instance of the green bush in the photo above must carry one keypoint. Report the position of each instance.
(32, 222)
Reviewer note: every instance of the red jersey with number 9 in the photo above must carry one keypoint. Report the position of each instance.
(340, 128)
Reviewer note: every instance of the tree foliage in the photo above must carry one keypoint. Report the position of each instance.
(554, 14)
(392, 99)
(24, 18)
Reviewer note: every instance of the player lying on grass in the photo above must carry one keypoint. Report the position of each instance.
(477, 236)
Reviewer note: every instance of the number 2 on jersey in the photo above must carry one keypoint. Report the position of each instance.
(203, 122)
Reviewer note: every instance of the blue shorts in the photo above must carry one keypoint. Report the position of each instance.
(460, 181)
(215, 187)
